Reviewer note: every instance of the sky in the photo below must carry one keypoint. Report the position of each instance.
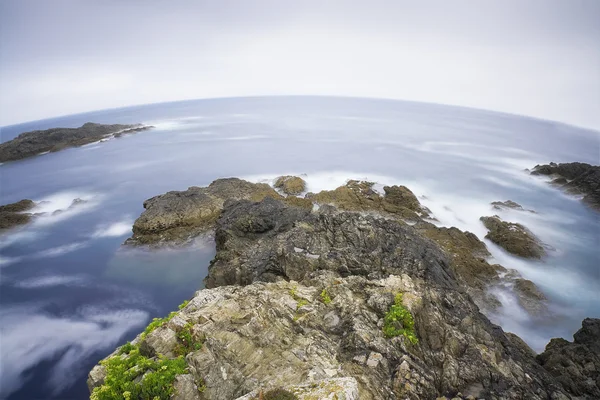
(539, 58)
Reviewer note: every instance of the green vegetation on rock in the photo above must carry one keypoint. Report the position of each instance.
(186, 341)
(157, 323)
(399, 321)
(325, 298)
(123, 370)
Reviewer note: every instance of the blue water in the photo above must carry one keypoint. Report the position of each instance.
(70, 294)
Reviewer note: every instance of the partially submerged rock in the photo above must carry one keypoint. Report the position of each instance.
(509, 204)
(574, 178)
(32, 143)
(291, 185)
(513, 237)
(15, 214)
(576, 365)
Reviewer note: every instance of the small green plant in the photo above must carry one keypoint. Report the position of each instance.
(301, 303)
(157, 323)
(399, 321)
(186, 341)
(182, 305)
(126, 348)
(157, 375)
(325, 297)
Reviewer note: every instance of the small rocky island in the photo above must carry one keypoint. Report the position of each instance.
(343, 294)
(574, 178)
(29, 144)
(513, 237)
(15, 214)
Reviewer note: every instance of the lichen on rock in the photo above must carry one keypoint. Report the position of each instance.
(290, 185)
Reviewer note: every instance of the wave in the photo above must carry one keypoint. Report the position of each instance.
(116, 229)
(51, 281)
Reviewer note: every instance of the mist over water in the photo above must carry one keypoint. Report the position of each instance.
(70, 294)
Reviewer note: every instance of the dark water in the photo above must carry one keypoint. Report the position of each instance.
(69, 294)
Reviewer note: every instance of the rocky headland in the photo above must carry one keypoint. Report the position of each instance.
(29, 144)
(343, 294)
(574, 178)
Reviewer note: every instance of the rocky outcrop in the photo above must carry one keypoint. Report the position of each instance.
(513, 237)
(32, 143)
(176, 217)
(397, 201)
(290, 185)
(575, 178)
(299, 299)
(15, 214)
(576, 365)
(509, 204)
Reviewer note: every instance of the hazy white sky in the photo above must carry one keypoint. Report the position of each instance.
(533, 57)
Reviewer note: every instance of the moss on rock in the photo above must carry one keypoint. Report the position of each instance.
(513, 237)
(290, 185)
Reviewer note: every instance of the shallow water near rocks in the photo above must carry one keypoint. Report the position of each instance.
(70, 294)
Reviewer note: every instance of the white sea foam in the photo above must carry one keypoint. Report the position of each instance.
(30, 336)
(59, 206)
(116, 229)
(51, 281)
(5, 261)
(59, 250)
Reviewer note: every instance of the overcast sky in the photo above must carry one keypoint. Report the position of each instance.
(533, 57)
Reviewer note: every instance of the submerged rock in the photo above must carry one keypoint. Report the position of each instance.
(576, 365)
(513, 237)
(291, 185)
(574, 178)
(509, 204)
(14, 214)
(32, 143)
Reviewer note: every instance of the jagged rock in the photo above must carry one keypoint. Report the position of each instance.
(185, 388)
(502, 205)
(325, 234)
(291, 185)
(530, 296)
(96, 377)
(576, 365)
(335, 388)
(14, 214)
(32, 143)
(575, 178)
(514, 238)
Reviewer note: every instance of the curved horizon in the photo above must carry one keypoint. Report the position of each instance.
(133, 106)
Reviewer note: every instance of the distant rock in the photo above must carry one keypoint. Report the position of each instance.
(513, 237)
(576, 365)
(509, 204)
(33, 143)
(574, 178)
(291, 185)
(15, 214)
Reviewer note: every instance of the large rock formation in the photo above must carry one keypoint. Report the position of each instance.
(32, 143)
(513, 237)
(325, 302)
(508, 204)
(576, 365)
(15, 214)
(575, 178)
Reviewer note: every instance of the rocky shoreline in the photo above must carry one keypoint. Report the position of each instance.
(574, 178)
(346, 293)
(29, 144)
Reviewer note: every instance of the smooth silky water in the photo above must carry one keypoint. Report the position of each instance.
(70, 294)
